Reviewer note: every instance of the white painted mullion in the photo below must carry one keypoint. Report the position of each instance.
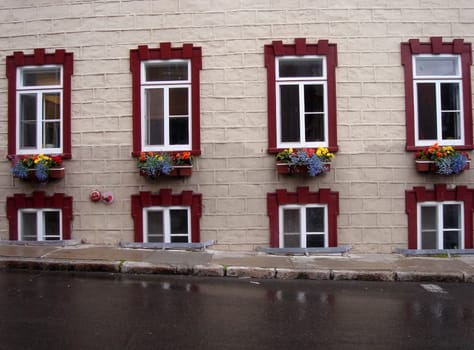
(166, 225)
(39, 225)
(39, 121)
(302, 114)
(166, 116)
(302, 211)
(439, 225)
(439, 113)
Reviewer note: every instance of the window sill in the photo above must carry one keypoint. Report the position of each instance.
(434, 252)
(58, 243)
(306, 251)
(164, 246)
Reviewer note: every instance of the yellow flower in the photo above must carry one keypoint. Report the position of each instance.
(290, 150)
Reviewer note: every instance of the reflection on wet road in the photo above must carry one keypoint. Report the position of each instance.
(103, 311)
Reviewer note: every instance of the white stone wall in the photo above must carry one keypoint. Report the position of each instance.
(371, 171)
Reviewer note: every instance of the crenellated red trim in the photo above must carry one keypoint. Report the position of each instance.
(440, 193)
(166, 198)
(302, 196)
(39, 200)
(437, 46)
(40, 57)
(301, 48)
(166, 52)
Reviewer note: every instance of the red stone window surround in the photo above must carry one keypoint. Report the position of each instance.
(440, 193)
(165, 199)
(39, 200)
(300, 48)
(303, 196)
(436, 47)
(166, 52)
(39, 58)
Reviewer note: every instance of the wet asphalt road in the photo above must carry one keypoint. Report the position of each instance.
(102, 311)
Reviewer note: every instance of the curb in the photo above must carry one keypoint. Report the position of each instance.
(216, 270)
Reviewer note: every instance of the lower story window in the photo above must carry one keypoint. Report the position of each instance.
(39, 224)
(166, 225)
(440, 225)
(303, 226)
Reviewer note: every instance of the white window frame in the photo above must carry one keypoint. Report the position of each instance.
(40, 223)
(301, 82)
(440, 225)
(166, 222)
(302, 215)
(165, 85)
(438, 80)
(39, 90)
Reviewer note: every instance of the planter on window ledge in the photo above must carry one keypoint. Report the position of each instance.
(154, 165)
(306, 161)
(40, 168)
(442, 160)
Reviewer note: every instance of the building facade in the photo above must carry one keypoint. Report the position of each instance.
(98, 88)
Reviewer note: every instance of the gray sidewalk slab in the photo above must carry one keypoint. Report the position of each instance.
(249, 264)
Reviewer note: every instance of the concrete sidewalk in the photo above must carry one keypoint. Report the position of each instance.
(248, 264)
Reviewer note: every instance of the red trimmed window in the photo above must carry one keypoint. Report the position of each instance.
(438, 93)
(301, 85)
(440, 218)
(166, 217)
(303, 219)
(166, 98)
(39, 103)
(39, 217)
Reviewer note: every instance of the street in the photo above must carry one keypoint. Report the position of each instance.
(59, 310)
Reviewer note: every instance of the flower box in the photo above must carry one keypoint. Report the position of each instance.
(442, 160)
(288, 168)
(38, 168)
(56, 173)
(176, 171)
(429, 166)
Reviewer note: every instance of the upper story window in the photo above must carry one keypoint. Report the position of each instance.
(39, 225)
(301, 95)
(440, 218)
(438, 93)
(303, 219)
(39, 217)
(167, 225)
(166, 217)
(303, 226)
(166, 106)
(39, 103)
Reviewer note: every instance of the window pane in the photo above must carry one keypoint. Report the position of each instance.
(28, 226)
(154, 115)
(450, 97)
(155, 226)
(428, 218)
(313, 98)
(51, 225)
(27, 120)
(452, 216)
(290, 113)
(179, 239)
(166, 71)
(314, 127)
(427, 129)
(314, 241)
(451, 240)
(51, 106)
(428, 240)
(451, 126)
(441, 66)
(51, 135)
(315, 219)
(179, 131)
(179, 221)
(300, 67)
(42, 76)
(179, 101)
(291, 241)
(291, 221)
